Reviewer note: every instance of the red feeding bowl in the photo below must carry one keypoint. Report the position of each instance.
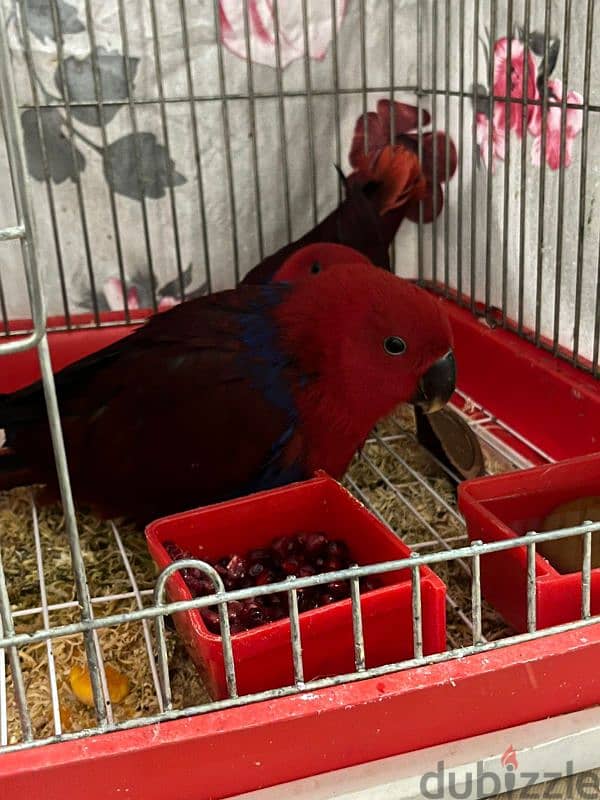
(263, 655)
(510, 505)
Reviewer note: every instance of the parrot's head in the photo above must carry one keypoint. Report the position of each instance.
(313, 259)
(381, 340)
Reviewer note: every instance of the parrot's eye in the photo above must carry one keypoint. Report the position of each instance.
(315, 268)
(394, 346)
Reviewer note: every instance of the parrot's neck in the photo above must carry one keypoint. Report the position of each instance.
(332, 433)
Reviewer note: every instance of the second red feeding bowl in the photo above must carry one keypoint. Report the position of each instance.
(509, 505)
(263, 655)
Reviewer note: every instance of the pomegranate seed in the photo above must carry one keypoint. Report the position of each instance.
(259, 556)
(256, 569)
(237, 567)
(211, 619)
(332, 565)
(338, 549)
(290, 566)
(326, 599)
(315, 544)
(306, 571)
(265, 577)
(338, 588)
(283, 546)
(254, 613)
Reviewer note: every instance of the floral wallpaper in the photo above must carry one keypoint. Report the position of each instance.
(157, 196)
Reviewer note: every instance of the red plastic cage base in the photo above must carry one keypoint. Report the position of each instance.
(228, 752)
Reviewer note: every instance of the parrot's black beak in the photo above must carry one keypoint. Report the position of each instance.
(436, 385)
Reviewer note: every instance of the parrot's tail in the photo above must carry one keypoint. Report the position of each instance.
(390, 176)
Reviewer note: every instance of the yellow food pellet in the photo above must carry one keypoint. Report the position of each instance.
(66, 720)
(79, 678)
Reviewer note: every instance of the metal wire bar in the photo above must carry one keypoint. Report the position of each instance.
(542, 191)
(166, 140)
(14, 232)
(253, 132)
(108, 166)
(474, 156)
(281, 111)
(561, 177)
(531, 585)
(507, 116)
(490, 171)
(523, 204)
(391, 56)
(447, 147)
(8, 631)
(587, 68)
(23, 206)
(363, 68)
(357, 625)
(476, 595)
(301, 93)
(196, 144)
(417, 612)
(66, 93)
(335, 76)
(3, 699)
(132, 101)
(434, 162)
(461, 138)
(45, 618)
(103, 600)
(295, 635)
(586, 569)
(419, 92)
(140, 604)
(309, 115)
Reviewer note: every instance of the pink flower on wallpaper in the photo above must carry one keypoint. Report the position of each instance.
(516, 83)
(261, 29)
(574, 123)
(531, 59)
(498, 138)
(114, 296)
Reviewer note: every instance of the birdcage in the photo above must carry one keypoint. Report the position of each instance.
(157, 151)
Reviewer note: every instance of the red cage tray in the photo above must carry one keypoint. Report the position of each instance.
(510, 505)
(263, 655)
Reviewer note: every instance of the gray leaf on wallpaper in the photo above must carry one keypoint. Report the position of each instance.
(63, 163)
(157, 170)
(79, 75)
(38, 17)
(171, 289)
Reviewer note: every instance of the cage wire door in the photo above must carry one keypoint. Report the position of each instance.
(165, 148)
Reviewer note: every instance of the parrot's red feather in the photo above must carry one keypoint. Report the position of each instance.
(393, 173)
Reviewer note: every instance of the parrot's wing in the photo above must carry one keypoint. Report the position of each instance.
(196, 404)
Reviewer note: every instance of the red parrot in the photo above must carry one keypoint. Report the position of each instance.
(383, 182)
(239, 391)
(388, 184)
